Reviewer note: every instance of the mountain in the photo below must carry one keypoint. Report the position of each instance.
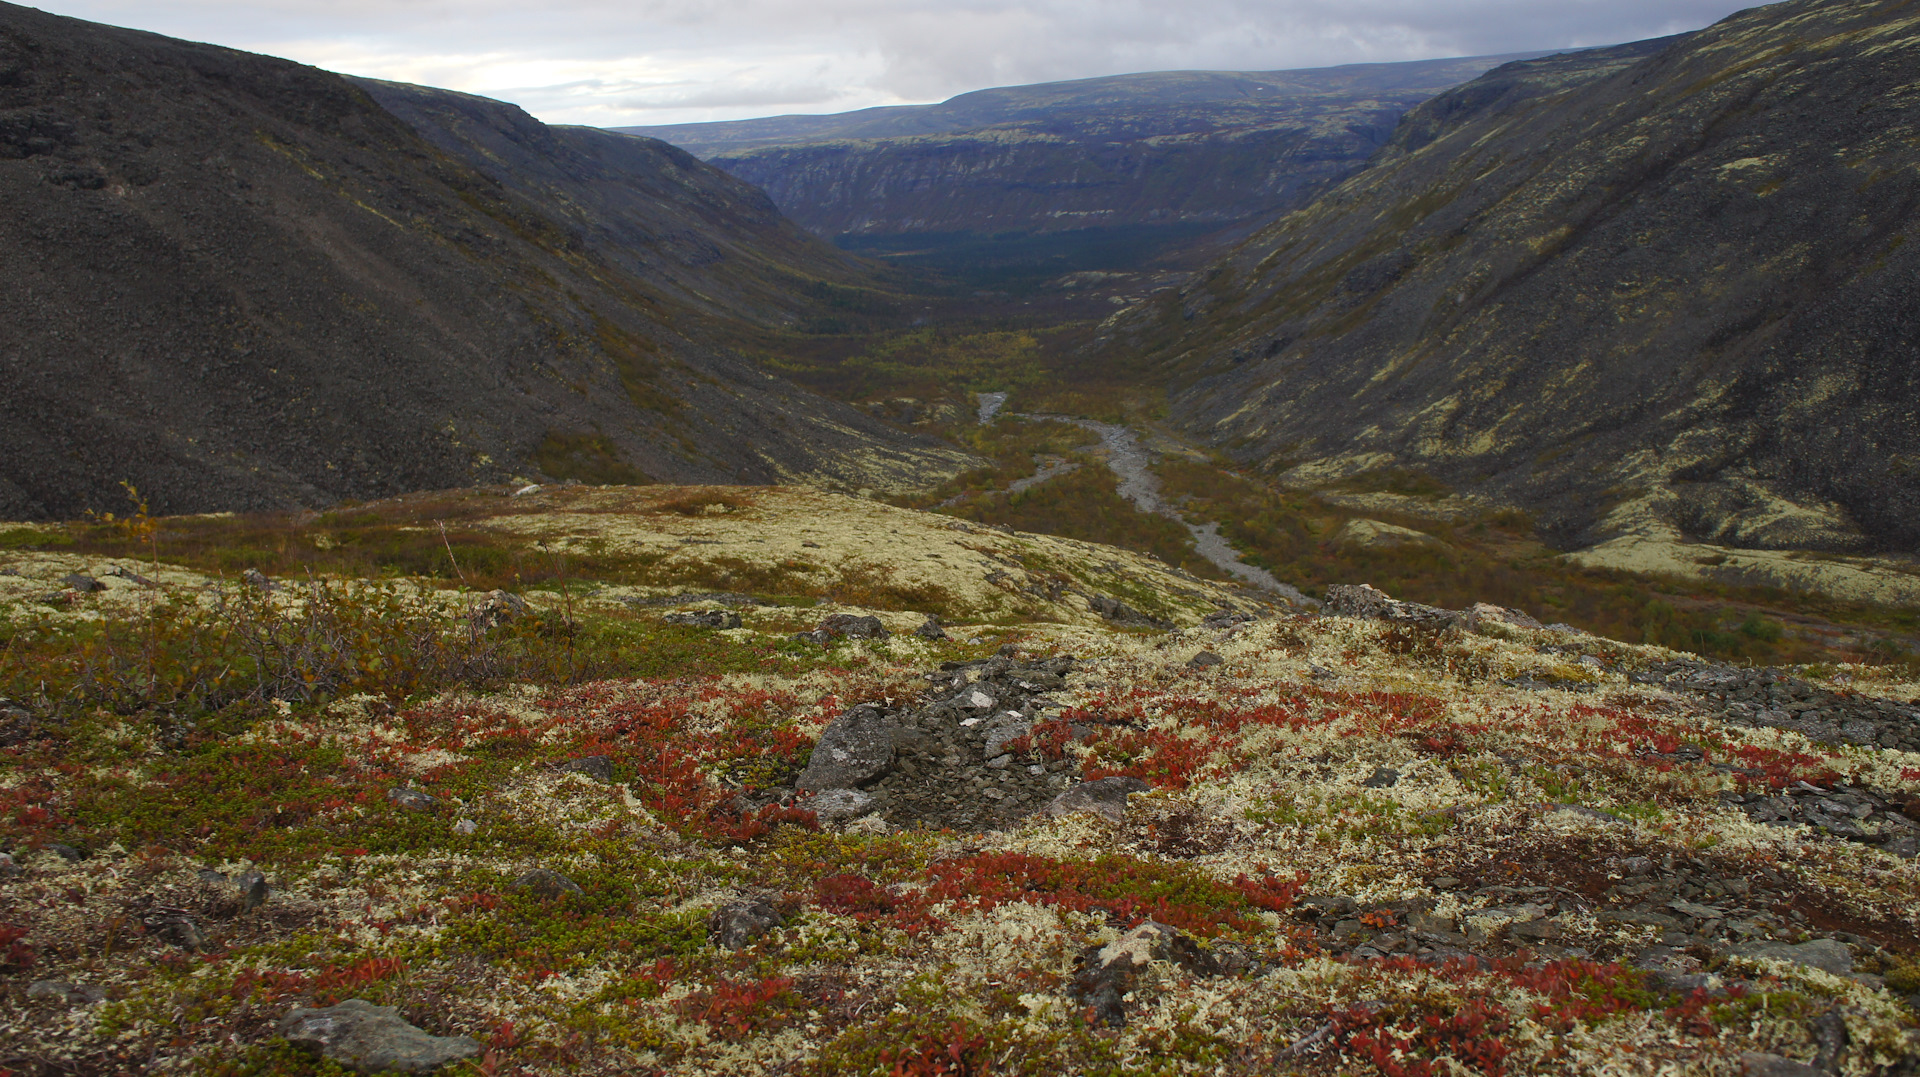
(1663, 290)
(238, 282)
(1180, 152)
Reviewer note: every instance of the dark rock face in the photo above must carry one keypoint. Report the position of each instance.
(1769, 697)
(240, 283)
(1663, 284)
(1067, 155)
(372, 1039)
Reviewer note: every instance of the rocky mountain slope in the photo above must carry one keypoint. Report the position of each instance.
(1650, 297)
(239, 282)
(1164, 148)
(633, 818)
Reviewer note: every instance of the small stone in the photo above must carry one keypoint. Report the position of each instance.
(1001, 761)
(1115, 610)
(254, 578)
(739, 923)
(48, 990)
(1827, 955)
(1204, 660)
(597, 767)
(839, 805)
(1383, 778)
(1904, 846)
(9, 869)
(66, 852)
(1106, 797)
(465, 826)
(531, 488)
(546, 884)
(370, 1038)
(1535, 930)
(84, 584)
(1446, 882)
(931, 630)
(412, 799)
(855, 748)
(1354, 600)
(1002, 730)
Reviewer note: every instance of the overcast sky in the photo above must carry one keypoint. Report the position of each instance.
(616, 62)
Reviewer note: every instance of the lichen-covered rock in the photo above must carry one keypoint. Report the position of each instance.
(1827, 955)
(854, 626)
(855, 748)
(1108, 974)
(705, 618)
(546, 884)
(597, 767)
(371, 1039)
(839, 805)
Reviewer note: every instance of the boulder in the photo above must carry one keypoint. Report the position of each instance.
(597, 767)
(931, 630)
(1827, 955)
(255, 578)
(1482, 614)
(1106, 797)
(1354, 600)
(1756, 1064)
(853, 626)
(412, 799)
(854, 749)
(546, 884)
(705, 618)
(739, 923)
(84, 584)
(839, 805)
(70, 994)
(1109, 973)
(371, 1039)
(1116, 611)
(1001, 730)
(497, 608)
(1204, 660)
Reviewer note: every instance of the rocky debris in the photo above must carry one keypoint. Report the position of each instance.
(497, 608)
(1772, 698)
(855, 748)
(932, 629)
(412, 799)
(82, 583)
(546, 884)
(833, 806)
(1827, 955)
(705, 618)
(64, 992)
(1105, 797)
(597, 767)
(739, 923)
(1382, 778)
(372, 1039)
(176, 927)
(1224, 619)
(1858, 815)
(258, 580)
(1204, 660)
(1108, 974)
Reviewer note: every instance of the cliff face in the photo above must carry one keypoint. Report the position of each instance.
(1160, 148)
(239, 282)
(1665, 293)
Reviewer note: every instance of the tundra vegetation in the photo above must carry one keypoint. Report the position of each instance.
(524, 769)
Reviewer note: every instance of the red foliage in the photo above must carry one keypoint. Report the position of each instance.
(959, 1053)
(15, 954)
(1127, 889)
(327, 987)
(735, 1009)
(1426, 1044)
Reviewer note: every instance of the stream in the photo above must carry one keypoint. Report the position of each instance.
(1132, 462)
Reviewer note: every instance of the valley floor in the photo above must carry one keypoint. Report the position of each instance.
(705, 792)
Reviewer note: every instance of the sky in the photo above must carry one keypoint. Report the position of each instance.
(635, 62)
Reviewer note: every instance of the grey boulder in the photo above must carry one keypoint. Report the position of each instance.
(1106, 797)
(855, 748)
(1827, 955)
(361, 1036)
(839, 805)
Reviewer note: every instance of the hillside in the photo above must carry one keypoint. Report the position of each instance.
(1133, 162)
(1652, 299)
(238, 282)
(683, 781)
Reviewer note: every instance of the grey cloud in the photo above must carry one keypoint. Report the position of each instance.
(615, 60)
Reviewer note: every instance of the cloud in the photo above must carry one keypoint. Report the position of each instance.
(670, 61)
